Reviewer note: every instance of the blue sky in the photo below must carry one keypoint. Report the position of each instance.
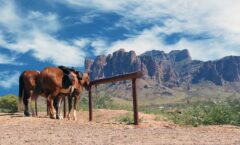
(35, 34)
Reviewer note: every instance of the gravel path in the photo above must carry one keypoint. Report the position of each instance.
(105, 130)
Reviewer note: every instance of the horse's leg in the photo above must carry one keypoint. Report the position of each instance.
(60, 103)
(25, 102)
(32, 98)
(77, 98)
(50, 105)
(55, 102)
(36, 109)
(69, 106)
(51, 97)
(58, 106)
(47, 107)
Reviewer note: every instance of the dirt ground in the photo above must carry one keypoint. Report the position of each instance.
(106, 130)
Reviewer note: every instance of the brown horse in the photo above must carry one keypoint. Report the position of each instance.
(84, 82)
(51, 86)
(27, 84)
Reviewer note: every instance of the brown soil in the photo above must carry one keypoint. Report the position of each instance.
(105, 129)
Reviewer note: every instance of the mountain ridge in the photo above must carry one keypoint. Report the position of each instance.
(168, 69)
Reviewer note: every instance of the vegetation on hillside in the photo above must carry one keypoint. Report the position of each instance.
(9, 104)
(196, 113)
(208, 113)
(128, 118)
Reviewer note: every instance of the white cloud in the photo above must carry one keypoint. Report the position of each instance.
(34, 31)
(81, 42)
(218, 19)
(5, 59)
(9, 19)
(149, 39)
(88, 18)
(99, 45)
(45, 22)
(46, 47)
(8, 80)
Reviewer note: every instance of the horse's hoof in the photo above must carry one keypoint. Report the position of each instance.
(26, 113)
(52, 117)
(59, 117)
(68, 117)
(75, 118)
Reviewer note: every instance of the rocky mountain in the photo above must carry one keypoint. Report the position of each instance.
(168, 69)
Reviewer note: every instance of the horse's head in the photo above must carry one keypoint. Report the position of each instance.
(84, 79)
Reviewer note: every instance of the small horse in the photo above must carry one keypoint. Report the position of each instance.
(84, 82)
(27, 84)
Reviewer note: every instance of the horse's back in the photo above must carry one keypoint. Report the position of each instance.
(51, 78)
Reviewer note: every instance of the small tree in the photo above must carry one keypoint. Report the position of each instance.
(9, 104)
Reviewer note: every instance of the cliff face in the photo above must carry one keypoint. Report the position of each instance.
(170, 69)
(220, 71)
(121, 62)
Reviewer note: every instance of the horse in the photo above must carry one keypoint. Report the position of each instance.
(51, 81)
(84, 83)
(27, 84)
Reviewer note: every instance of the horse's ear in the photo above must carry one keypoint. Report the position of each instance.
(88, 72)
(79, 75)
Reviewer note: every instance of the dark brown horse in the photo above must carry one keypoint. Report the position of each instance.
(27, 84)
(51, 86)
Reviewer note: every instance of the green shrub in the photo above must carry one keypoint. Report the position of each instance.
(83, 103)
(103, 101)
(99, 102)
(128, 118)
(207, 113)
(9, 104)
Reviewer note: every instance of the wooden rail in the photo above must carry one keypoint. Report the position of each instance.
(131, 76)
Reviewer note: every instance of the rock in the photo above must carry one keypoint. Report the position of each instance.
(168, 69)
(219, 71)
(88, 63)
(151, 65)
(208, 72)
(97, 67)
(121, 62)
(180, 55)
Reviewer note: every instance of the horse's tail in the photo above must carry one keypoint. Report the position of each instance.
(38, 87)
(21, 92)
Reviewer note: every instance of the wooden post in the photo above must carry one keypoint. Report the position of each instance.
(64, 107)
(90, 103)
(135, 107)
(130, 76)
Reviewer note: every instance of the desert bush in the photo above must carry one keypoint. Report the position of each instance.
(83, 103)
(9, 104)
(103, 101)
(128, 118)
(208, 113)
